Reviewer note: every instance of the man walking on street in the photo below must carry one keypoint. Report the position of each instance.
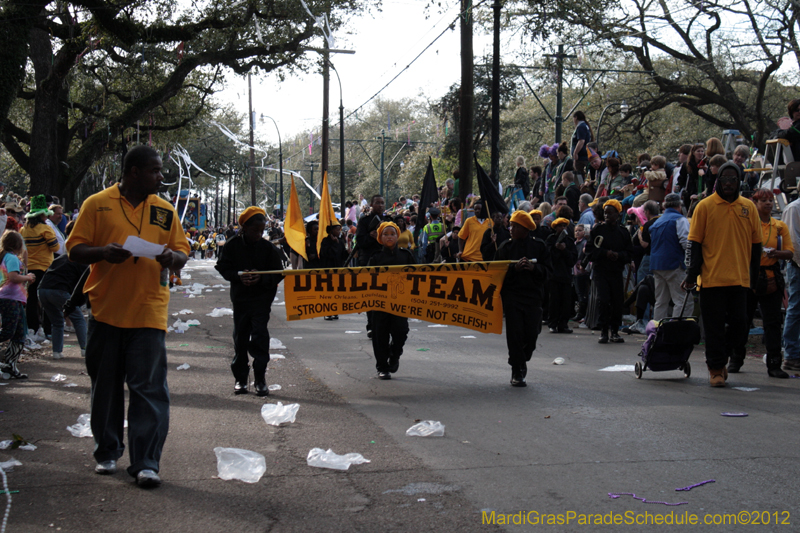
(725, 248)
(129, 299)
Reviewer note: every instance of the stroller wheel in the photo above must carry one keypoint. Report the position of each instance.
(637, 369)
(687, 370)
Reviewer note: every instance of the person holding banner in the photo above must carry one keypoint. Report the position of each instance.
(389, 331)
(251, 295)
(522, 292)
(366, 239)
(332, 253)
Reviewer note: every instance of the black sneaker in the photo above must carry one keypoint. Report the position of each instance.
(394, 364)
(384, 375)
(240, 387)
(615, 338)
(603, 338)
(553, 330)
(564, 330)
(517, 380)
(777, 373)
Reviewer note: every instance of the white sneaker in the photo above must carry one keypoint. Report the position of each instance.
(58, 355)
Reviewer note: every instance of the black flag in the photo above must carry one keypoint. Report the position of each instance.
(429, 195)
(492, 200)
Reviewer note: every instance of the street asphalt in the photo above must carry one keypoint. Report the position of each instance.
(555, 448)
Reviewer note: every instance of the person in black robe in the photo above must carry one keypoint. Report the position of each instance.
(522, 292)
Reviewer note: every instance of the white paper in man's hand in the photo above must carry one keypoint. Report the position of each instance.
(139, 247)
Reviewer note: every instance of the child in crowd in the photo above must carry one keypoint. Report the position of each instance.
(389, 332)
(657, 179)
(13, 296)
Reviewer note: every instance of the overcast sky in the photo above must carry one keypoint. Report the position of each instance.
(385, 43)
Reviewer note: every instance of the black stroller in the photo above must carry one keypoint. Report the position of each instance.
(669, 344)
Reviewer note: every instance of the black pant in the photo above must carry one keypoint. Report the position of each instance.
(389, 334)
(250, 334)
(582, 290)
(561, 307)
(772, 319)
(724, 315)
(523, 323)
(33, 311)
(610, 293)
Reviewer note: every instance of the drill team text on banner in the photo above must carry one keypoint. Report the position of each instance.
(461, 294)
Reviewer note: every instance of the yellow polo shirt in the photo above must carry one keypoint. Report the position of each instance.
(128, 294)
(472, 233)
(727, 232)
(770, 231)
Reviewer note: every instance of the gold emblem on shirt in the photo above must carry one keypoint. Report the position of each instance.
(161, 217)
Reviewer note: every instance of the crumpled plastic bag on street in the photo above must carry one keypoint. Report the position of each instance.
(184, 366)
(220, 311)
(58, 377)
(179, 326)
(277, 414)
(82, 428)
(9, 465)
(426, 428)
(244, 465)
(327, 459)
(276, 344)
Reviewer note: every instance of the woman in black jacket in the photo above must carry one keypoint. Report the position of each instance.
(690, 179)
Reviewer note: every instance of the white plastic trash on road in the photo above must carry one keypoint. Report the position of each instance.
(438, 326)
(274, 387)
(183, 312)
(277, 356)
(426, 428)
(193, 322)
(276, 344)
(244, 465)
(9, 465)
(558, 361)
(184, 366)
(617, 368)
(220, 311)
(327, 459)
(82, 428)
(58, 377)
(277, 414)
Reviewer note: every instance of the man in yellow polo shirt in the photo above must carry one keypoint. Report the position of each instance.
(471, 235)
(725, 249)
(129, 298)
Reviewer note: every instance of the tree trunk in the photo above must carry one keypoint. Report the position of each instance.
(44, 168)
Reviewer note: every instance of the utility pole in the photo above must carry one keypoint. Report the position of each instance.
(495, 167)
(252, 151)
(560, 57)
(467, 101)
(326, 89)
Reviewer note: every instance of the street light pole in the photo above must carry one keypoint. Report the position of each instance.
(623, 108)
(341, 141)
(280, 164)
(252, 151)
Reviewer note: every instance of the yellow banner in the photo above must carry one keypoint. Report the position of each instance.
(458, 294)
